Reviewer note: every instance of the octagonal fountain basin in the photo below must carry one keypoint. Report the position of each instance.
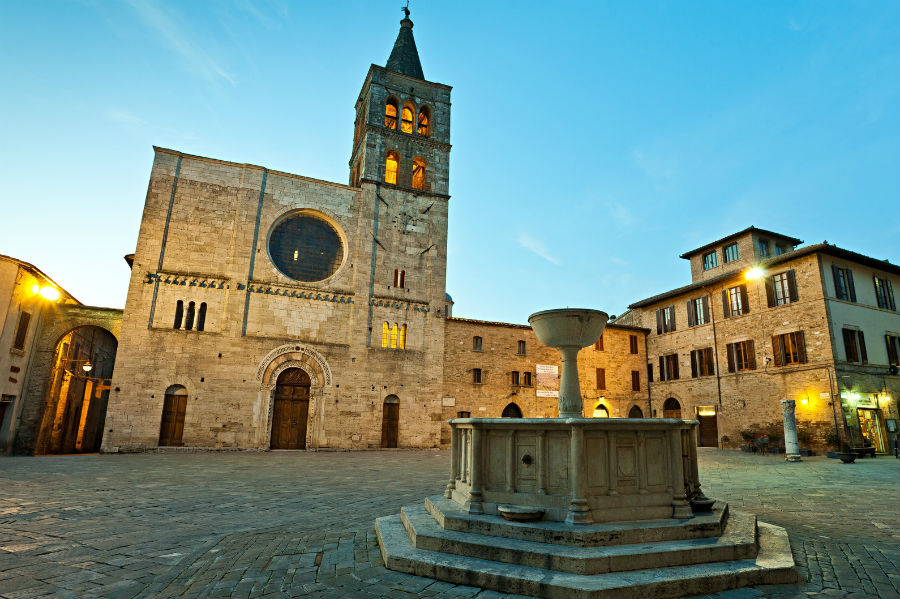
(520, 513)
(568, 327)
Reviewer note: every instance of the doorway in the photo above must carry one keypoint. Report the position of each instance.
(671, 408)
(870, 426)
(390, 421)
(512, 410)
(635, 412)
(171, 427)
(291, 410)
(709, 427)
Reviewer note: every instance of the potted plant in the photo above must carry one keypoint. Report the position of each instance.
(846, 455)
(748, 435)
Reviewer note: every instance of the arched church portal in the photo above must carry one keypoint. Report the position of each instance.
(291, 409)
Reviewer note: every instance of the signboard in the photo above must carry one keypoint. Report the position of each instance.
(448, 401)
(866, 402)
(824, 395)
(546, 380)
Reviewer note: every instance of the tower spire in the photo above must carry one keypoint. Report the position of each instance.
(404, 57)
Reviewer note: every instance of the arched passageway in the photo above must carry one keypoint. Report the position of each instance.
(75, 409)
(635, 412)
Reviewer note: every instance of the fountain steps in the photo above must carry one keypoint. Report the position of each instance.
(450, 516)
(745, 553)
(738, 542)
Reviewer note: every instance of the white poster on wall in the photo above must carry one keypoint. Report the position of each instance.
(546, 380)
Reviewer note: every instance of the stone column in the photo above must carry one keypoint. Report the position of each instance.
(570, 402)
(455, 448)
(579, 511)
(791, 446)
(475, 497)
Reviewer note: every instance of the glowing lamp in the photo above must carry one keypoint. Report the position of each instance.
(49, 292)
(706, 412)
(87, 366)
(804, 401)
(754, 273)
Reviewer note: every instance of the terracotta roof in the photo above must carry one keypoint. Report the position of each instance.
(824, 248)
(793, 240)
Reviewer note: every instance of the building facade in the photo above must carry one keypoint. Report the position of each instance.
(764, 320)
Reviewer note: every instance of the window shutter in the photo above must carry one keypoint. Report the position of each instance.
(694, 364)
(675, 366)
(726, 305)
(801, 346)
(776, 350)
(706, 314)
(729, 351)
(662, 368)
(672, 319)
(745, 300)
(22, 330)
(836, 274)
(709, 360)
(850, 288)
(692, 313)
(770, 292)
(792, 285)
(649, 373)
(751, 354)
(849, 345)
(659, 323)
(862, 347)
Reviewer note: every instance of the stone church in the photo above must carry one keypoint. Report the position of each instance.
(272, 310)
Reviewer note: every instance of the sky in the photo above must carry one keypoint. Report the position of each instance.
(593, 142)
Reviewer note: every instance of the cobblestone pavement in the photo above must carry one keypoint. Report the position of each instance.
(289, 524)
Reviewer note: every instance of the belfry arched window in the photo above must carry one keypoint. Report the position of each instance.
(424, 121)
(189, 320)
(179, 314)
(394, 336)
(406, 119)
(418, 176)
(201, 317)
(401, 341)
(391, 166)
(390, 114)
(385, 334)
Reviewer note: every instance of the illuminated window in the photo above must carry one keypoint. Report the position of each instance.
(741, 356)
(391, 166)
(789, 348)
(385, 334)
(406, 119)
(401, 342)
(418, 177)
(394, 336)
(702, 362)
(422, 129)
(390, 115)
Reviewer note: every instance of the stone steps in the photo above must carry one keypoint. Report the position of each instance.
(736, 543)
(773, 564)
(450, 516)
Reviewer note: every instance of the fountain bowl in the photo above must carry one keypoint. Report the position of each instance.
(568, 327)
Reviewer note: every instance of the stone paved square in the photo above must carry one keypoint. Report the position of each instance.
(292, 524)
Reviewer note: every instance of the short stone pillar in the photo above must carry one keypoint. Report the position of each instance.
(791, 445)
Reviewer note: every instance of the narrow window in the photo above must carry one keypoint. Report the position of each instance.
(884, 293)
(201, 317)
(401, 342)
(893, 349)
(385, 334)
(514, 378)
(402, 279)
(601, 379)
(22, 330)
(418, 176)
(476, 343)
(779, 249)
(599, 344)
(763, 246)
(526, 379)
(422, 128)
(710, 260)
(406, 119)
(731, 253)
(668, 367)
(735, 301)
(649, 373)
(782, 289)
(391, 166)
(390, 115)
(520, 349)
(394, 336)
(633, 344)
(843, 283)
(189, 321)
(179, 314)
(476, 375)
(635, 380)
(698, 311)
(665, 320)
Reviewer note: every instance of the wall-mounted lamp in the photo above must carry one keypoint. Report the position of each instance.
(754, 273)
(804, 400)
(48, 292)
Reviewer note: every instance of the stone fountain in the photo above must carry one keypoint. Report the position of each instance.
(580, 507)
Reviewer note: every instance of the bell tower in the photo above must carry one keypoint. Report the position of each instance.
(402, 130)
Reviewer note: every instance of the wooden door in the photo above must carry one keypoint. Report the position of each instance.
(171, 428)
(390, 424)
(291, 410)
(709, 431)
(671, 408)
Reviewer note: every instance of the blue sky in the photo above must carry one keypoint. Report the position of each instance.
(593, 142)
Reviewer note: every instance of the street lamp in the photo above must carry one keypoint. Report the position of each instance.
(87, 366)
(754, 273)
(48, 292)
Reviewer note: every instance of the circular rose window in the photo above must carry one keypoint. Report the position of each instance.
(306, 248)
